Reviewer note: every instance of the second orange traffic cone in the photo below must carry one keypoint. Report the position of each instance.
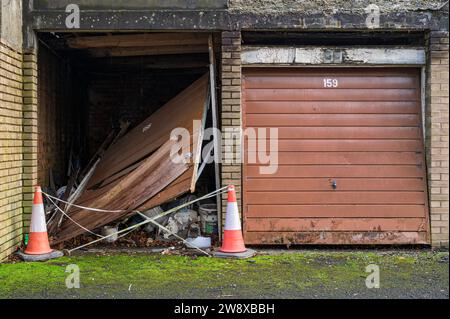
(233, 242)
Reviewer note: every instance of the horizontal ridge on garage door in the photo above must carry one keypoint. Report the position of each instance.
(333, 107)
(345, 82)
(335, 224)
(324, 184)
(336, 238)
(340, 132)
(347, 145)
(334, 197)
(360, 171)
(340, 158)
(349, 211)
(346, 120)
(331, 95)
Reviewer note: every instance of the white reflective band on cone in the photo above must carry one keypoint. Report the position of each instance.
(38, 224)
(232, 221)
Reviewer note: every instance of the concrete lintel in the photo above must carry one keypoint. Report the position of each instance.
(133, 20)
(54, 20)
(132, 5)
(335, 56)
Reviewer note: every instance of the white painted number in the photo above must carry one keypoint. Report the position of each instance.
(330, 83)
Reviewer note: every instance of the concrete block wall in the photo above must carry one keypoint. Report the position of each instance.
(231, 121)
(437, 134)
(11, 158)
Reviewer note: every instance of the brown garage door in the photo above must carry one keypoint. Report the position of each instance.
(351, 160)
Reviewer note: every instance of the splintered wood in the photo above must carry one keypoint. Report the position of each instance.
(137, 172)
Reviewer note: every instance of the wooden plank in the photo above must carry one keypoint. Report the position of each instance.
(317, 82)
(346, 120)
(347, 211)
(331, 94)
(341, 158)
(334, 224)
(145, 51)
(325, 145)
(336, 238)
(138, 40)
(324, 184)
(215, 119)
(337, 171)
(332, 107)
(178, 187)
(335, 198)
(197, 148)
(152, 176)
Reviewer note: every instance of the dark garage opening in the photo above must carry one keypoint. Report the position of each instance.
(86, 90)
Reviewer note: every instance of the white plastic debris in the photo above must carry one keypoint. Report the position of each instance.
(181, 221)
(200, 242)
(108, 230)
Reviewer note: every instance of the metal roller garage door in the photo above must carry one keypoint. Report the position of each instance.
(351, 157)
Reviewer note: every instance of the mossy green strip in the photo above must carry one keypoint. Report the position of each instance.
(307, 274)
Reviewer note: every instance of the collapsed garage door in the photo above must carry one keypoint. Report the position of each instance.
(351, 157)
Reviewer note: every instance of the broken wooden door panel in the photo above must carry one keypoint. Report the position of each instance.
(178, 187)
(140, 166)
(146, 181)
(154, 131)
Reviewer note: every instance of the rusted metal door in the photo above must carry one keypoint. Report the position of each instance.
(351, 166)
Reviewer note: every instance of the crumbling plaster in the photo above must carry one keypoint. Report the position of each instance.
(11, 23)
(333, 6)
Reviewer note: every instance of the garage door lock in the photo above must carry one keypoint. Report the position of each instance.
(334, 184)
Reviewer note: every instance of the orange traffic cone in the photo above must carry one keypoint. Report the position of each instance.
(38, 248)
(233, 242)
(38, 241)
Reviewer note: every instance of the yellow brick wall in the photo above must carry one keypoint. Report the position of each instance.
(30, 136)
(231, 114)
(11, 159)
(437, 120)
